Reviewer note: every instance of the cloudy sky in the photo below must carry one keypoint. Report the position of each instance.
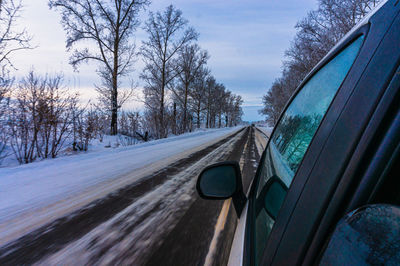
(245, 38)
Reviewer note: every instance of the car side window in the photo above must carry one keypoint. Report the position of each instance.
(294, 133)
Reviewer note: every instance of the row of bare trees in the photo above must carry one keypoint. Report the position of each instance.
(175, 66)
(316, 34)
(109, 26)
(179, 89)
(173, 62)
(206, 103)
(40, 116)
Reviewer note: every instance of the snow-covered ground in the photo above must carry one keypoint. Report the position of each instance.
(46, 189)
(265, 129)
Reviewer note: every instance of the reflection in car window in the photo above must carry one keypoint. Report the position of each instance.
(296, 129)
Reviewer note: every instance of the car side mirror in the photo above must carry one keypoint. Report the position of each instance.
(273, 195)
(222, 181)
(369, 235)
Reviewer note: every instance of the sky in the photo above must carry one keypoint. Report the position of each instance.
(246, 40)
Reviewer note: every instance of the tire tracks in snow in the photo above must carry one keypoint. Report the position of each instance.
(205, 233)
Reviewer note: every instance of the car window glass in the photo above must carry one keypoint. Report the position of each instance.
(295, 131)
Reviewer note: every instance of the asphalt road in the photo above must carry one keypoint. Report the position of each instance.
(159, 220)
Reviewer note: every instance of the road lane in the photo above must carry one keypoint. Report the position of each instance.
(36, 194)
(149, 222)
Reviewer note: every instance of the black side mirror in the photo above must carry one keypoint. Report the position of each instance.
(222, 181)
(273, 195)
(369, 235)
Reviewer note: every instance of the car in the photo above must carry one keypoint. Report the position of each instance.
(327, 187)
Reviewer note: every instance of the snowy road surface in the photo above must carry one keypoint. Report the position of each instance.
(152, 189)
(27, 189)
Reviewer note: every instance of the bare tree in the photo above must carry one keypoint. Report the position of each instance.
(5, 93)
(237, 111)
(189, 63)
(168, 34)
(316, 34)
(85, 128)
(321, 29)
(56, 112)
(11, 38)
(221, 96)
(40, 117)
(27, 117)
(11, 41)
(129, 126)
(275, 99)
(109, 25)
(199, 93)
(210, 87)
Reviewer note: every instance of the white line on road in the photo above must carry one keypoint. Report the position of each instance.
(219, 227)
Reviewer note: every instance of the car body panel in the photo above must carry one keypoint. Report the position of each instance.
(327, 170)
(237, 250)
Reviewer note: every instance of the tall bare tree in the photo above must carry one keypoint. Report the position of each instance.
(189, 64)
(5, 93)
(316, 34)
(210, 87)
(11, 38)
(109, 25)
(168, 34)
(199, 93)
(11, 41)
(237, 111)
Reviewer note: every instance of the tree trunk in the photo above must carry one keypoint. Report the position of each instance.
(162, 132)
(114, 97)
(208, 118)
(161, 129)
(185, 107)
(198, 116)
(174, 126)
(114, 107)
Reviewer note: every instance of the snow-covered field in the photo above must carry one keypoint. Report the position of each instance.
(47, 189)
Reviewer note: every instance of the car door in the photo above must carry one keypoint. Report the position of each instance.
(368, 232)
(299, 137)
(293, 133)
(336, 149)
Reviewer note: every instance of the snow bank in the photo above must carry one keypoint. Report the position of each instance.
(265, 129)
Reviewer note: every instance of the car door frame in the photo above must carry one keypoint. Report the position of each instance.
(293, 231)
(374, 30)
